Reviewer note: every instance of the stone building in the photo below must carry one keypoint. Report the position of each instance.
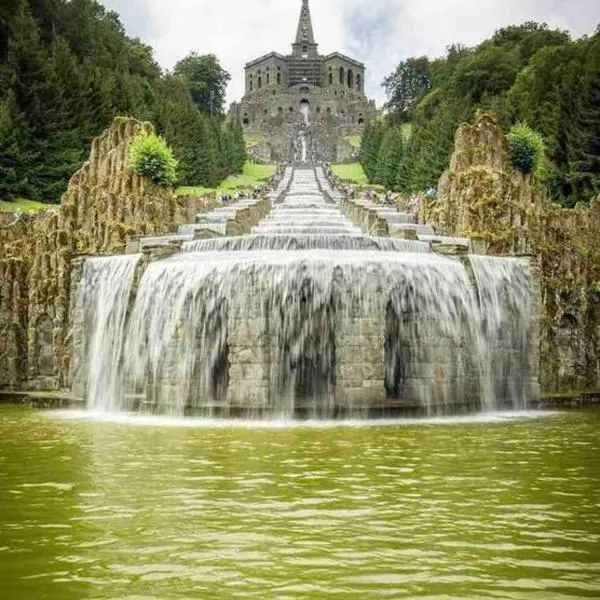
(304, 104)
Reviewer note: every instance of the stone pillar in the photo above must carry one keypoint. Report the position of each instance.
(77, 377)
(360, 361)
(249, 364)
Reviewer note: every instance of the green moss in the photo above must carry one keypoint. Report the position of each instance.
(23, 205)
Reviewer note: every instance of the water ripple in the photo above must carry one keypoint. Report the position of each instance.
(468, 509)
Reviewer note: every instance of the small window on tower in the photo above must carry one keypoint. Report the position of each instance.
(304, 51)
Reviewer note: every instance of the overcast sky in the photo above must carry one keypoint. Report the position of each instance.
(380, 33)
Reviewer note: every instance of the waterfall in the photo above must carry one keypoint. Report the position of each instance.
(305, 110)
(508, 311)
(106, 292)
(177, 334)
(280, 241)
(309, 316)
(303, 149)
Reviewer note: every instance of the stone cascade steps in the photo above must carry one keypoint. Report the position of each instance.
(305, 211)
(383, 220)
(236, 219)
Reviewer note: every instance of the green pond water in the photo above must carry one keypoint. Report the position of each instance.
(503, 510)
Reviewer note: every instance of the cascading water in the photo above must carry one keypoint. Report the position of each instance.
(280, 241)
(305, 110)
(507, 302)
(309, 316)
(105, 297)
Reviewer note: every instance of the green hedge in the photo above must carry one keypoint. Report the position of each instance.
(151, 157)
(526, 148)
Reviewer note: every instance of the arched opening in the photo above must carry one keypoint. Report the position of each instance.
(259, 82)
(361, 119)
(245, 120)
(304, 51)
(266, 112)
(278, 78)
(290, 110)
(268, 78)
(251, 84)
(328, 111)
(280, 110)
(318, 110)
(305, 109)
(342, 75)
(358, 82)
(350, 78)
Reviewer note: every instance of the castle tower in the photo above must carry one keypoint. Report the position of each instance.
(280, 87)
(305, 46)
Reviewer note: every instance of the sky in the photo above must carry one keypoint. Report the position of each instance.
(379, 33)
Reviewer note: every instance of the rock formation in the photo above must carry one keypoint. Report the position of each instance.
(482, 196)
(105, 202)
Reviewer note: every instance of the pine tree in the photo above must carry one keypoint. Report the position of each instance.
(14, 153)
(370, 146)
(239, 148)
(391, 154)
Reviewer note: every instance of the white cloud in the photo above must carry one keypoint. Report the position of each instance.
(378, 32)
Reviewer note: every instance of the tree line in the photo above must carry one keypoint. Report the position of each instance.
(524, 74)
(67, 68)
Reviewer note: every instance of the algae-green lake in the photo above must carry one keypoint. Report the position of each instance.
(148, 510)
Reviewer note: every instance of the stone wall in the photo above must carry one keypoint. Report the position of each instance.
(105, 202)
(481, 196)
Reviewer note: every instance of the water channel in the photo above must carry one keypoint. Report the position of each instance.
(164, 509)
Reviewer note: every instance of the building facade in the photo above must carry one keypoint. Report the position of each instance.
(325, 94)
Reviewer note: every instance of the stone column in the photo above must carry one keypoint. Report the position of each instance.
(360, 360)
(77, 375)
(248, 342)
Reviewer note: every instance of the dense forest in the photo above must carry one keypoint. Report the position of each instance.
(524, 74)
(67, 68)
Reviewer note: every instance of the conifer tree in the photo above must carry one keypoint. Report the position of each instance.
(391, 154)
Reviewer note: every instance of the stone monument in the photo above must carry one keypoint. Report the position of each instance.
(304, 107)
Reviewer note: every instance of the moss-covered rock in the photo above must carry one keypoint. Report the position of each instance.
(482, 196)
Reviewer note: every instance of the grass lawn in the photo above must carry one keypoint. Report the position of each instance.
(352, 173)
(252, 176)
(20, 204)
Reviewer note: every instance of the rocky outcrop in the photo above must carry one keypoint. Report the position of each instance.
(481, 196)
(105, 202)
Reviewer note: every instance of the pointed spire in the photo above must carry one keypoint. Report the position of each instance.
(305, 33)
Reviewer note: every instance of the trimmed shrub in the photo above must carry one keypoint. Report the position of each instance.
(151, 157)
(526, 148)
